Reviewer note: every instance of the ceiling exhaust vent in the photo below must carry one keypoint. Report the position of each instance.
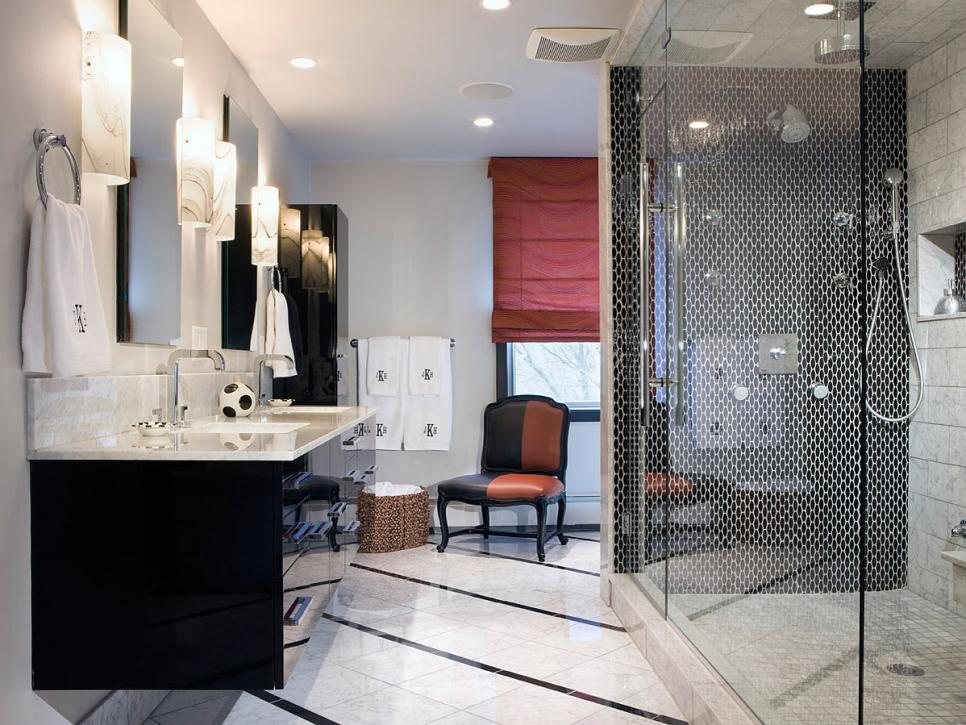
(571, 45)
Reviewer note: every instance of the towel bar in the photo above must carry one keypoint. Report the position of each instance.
(355, 342)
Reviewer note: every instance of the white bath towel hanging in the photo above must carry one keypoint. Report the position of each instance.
(278, 336)
(391, 408)
(429, 418)
(63, 328)
(383, 368)
(426, 357)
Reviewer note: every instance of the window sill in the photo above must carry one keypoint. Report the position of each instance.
(585, 415)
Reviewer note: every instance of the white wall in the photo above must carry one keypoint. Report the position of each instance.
(40, 56)
(420, 261)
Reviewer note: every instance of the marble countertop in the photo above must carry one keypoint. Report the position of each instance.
(286, 434)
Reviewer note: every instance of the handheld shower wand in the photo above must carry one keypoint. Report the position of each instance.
(893, 178)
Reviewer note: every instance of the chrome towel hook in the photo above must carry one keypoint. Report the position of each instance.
(44, 140)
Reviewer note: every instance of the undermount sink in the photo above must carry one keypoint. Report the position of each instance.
(314, 409)
(243, 426)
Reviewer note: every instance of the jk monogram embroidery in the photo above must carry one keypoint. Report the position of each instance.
(427, 374)
(382, 430)
(80, 318)
(381, 376)
(430, 430)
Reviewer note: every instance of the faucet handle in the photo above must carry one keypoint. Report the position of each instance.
(960, 530)
(156, 412)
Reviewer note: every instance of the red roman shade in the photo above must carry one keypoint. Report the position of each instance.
(545, 265)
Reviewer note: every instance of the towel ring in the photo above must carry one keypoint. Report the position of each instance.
(44, 140)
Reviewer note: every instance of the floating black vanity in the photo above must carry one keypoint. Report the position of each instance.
(158, 565)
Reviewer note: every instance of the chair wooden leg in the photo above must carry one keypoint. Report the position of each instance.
(541, 506)
(441, 502)
(486, 521)
(561, 512)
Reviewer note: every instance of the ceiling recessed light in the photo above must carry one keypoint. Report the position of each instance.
(698, 124)
(819, 9)
(483, 122)
(495, 4)
(179, 61)
(303, 63)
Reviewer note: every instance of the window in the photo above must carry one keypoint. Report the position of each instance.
(565, 371)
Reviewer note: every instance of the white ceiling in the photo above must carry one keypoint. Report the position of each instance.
(901, 32)
(387, 81)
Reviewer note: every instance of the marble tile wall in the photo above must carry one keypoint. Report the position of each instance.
(937, 195)
(64, 410)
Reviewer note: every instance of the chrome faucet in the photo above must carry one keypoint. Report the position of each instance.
(260, 369)
(960, 530)
(176, 410)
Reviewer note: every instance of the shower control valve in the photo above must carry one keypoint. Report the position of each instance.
(819, 391)
(778, 353)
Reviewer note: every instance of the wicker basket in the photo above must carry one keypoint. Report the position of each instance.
(393, 523)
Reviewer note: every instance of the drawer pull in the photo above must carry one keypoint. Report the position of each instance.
(349, 442)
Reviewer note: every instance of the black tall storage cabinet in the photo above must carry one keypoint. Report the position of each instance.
(320, 297)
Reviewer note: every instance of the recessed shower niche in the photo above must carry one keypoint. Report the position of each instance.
(942, 272)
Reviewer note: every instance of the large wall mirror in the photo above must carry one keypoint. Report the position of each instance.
(239, 277)
(148, 235)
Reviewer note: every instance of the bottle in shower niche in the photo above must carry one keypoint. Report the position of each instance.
(951, 303)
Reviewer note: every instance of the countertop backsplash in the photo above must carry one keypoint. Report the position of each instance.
(65, 410)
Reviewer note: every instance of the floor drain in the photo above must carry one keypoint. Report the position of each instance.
(906, 670)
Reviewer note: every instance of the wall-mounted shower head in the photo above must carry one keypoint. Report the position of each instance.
(791, 124)
(893, 177)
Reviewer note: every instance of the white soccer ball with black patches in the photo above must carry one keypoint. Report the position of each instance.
(236, 400)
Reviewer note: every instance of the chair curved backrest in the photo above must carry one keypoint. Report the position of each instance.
(526, 434)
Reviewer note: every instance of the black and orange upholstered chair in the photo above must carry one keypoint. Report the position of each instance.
(524, 463)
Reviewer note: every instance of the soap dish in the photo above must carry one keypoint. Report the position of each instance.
(280, 402)
(152, 428)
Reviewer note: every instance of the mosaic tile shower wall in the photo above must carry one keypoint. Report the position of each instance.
(773, 247)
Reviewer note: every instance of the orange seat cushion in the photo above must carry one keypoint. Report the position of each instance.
(523, 486)
(655, 484)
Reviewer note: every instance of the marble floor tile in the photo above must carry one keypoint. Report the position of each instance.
(612, 680)
(537, 705)
(178, 699)
(392, 706)
(585, 639)
(472, 641)
(328, 686)
(250, 710)
(461, 686)
(417, 624)
(207, 712)
(463, 718)
(398, 664)
(534, 659)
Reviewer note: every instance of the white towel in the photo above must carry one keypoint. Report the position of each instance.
(429, 418)
(426, 356)
(278, 336)
(390, 408)
(382, 371)
(63, 329)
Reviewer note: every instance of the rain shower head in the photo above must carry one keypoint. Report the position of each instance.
(893, 177)
(842, 47)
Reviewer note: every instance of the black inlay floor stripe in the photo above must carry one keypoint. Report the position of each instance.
(297, 643)
(646, 714)
(525, 561)
(518, 605)
(291, 708)
(313, 584)
(581, 538)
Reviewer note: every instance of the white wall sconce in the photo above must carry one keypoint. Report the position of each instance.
(265, 222)
(290, 246)
(196, 172)
(106, 107)
(226, 175)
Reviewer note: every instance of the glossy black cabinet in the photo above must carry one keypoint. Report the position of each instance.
(156, 575)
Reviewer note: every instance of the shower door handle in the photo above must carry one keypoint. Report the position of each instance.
(644, 232)
(680, 255)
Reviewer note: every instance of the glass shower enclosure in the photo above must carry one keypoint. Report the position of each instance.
(761, 282)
